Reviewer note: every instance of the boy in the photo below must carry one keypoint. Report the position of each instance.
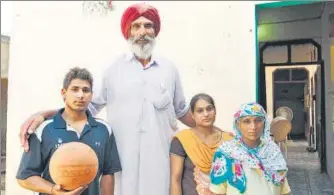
(72, 123)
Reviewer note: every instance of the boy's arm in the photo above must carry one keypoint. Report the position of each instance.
(36, 184)
(107, 185)
(111, 165)
(32, 166)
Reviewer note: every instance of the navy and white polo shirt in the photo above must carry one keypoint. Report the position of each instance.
(54, 132)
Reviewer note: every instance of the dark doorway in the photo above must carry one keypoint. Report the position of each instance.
(289, 90)
(288, 85)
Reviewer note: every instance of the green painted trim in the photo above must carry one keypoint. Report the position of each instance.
(284, 4)
(257, 60)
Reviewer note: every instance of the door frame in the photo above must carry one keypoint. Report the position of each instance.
(274, 106)
(290, 82)
(260, 68)
(262, 88)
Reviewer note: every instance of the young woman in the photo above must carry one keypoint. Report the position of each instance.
(251, 163)
(192, 150)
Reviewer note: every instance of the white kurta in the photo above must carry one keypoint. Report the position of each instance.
(142, 107)
(256, 185)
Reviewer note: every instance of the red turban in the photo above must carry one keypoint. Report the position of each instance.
(134, 12)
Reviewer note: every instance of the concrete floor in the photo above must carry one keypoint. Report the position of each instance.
(304, 172)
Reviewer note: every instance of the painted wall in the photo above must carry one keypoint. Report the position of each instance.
(280, 23)
(213, 54)
(307, 29)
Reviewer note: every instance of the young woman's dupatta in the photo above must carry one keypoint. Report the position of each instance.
(266, 159)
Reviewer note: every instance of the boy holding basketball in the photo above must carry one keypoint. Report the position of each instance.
(71, 123)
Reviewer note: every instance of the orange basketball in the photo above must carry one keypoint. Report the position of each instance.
(73, 164)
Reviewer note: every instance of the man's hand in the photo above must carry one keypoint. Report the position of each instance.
(29, 127)
(57, 190)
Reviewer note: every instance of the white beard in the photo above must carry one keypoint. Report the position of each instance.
(142, 52)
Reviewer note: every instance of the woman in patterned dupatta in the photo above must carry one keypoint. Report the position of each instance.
(192, 150)
(251, 163)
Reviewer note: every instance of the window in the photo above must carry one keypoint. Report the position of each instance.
(282, 75)
(275, 54)
(299, 75)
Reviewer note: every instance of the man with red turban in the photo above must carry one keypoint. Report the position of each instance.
(134, 12)
(144, 97)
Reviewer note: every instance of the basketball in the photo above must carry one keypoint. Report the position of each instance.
(73, 164)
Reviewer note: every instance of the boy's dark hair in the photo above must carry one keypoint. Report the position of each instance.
(77, 73)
